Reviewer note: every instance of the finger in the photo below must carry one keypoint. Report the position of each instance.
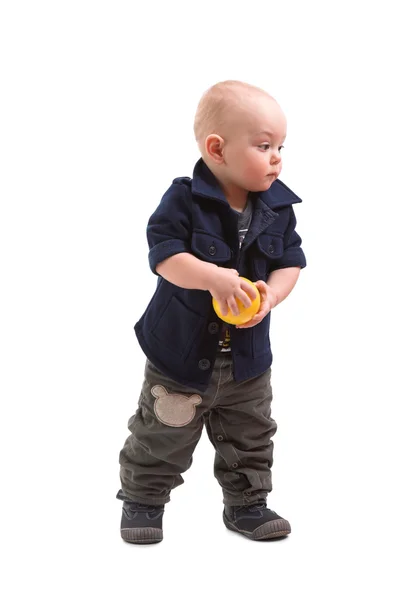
(248, 324)
(264, 306)
(249, 289)
(243, 297)
(233, 305)
(262, 313)
(223, 305)
(262, 288)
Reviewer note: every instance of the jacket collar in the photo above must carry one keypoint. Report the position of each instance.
(204, 183)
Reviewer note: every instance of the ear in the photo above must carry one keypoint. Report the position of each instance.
(214, 146)
(158, 390)
(195, 399)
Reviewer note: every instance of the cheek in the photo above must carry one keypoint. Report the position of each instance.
(255, 160)
(259, 164)
(243, 164)
(236, 160)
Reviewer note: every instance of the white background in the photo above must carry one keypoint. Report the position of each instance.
(97, 105)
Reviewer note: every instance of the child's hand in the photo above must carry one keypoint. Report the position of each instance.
(268, 301)
(227, 286)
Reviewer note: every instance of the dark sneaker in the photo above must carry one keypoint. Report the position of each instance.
(141, 523)
(256, 521)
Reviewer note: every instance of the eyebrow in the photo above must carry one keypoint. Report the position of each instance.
(267, 133)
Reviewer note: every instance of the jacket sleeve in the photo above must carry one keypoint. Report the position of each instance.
(293, 255)
(169, 230)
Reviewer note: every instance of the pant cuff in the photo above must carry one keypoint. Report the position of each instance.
(122, 495)
(244, 500)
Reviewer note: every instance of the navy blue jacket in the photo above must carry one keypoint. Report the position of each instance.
(179, 331)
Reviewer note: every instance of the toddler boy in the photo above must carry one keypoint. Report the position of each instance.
(233, 218)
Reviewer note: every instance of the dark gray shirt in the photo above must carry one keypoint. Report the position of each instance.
(244, 221)
(243, 227)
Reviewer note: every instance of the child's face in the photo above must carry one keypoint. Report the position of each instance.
(251, 153)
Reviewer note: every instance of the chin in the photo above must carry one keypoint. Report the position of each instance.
(260, 187)
(267, 185)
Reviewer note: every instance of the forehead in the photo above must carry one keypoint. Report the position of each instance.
(265, 117)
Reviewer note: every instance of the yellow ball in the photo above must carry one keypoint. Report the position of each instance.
(245, 315)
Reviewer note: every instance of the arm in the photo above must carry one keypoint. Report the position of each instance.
(278, 287)
(283, 275)
(281, 282)
(187, 271)
(169, 235)
(285, 271)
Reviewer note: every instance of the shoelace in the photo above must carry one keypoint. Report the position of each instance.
(259, 506)
(252, 507)
(142, 508)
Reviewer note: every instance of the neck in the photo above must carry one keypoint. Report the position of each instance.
(236, 196)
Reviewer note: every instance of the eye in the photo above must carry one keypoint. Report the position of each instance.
(266, 147)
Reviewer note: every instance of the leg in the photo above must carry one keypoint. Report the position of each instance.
(164, 433)
(241, 428)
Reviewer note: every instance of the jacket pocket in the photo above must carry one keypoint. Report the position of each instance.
(210, 248)
(269, 247)
(177, 327)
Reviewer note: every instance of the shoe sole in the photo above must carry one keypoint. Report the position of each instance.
(142, 535)
(273, 529)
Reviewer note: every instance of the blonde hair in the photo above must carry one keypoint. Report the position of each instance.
(215, 108)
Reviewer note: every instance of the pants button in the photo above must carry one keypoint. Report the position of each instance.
(213, 328)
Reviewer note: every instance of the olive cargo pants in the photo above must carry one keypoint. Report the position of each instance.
(168, 424)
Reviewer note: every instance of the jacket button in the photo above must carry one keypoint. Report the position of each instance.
(235, 466)
(220, 438)
(204, 364)
(271, 249)
(213, 328)
(212, 250)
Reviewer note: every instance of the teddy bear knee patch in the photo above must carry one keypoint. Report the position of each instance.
(174, 410)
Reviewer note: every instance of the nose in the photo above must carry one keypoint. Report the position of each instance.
(276, 158)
